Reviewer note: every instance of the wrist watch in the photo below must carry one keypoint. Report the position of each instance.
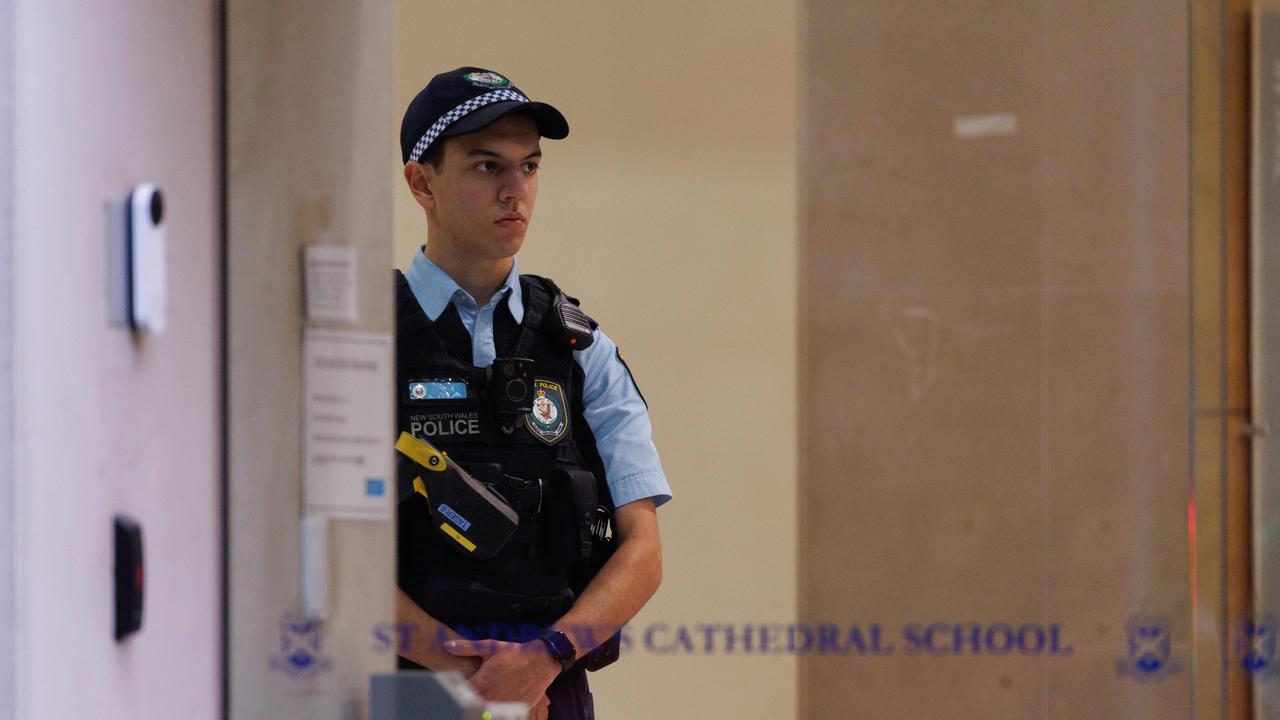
(560, 647)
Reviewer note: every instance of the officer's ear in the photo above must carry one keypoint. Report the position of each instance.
(420, 178)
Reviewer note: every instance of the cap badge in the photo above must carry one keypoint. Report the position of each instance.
(487, 79)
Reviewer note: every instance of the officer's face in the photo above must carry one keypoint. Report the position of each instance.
(483, 195)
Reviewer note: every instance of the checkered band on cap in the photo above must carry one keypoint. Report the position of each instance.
(452, 116)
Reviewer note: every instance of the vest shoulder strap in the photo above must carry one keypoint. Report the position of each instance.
(551, 290)
(416, 335)
(541, 294)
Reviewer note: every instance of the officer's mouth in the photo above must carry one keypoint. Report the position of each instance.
(511, 221)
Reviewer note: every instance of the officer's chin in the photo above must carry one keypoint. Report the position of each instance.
(507, 245)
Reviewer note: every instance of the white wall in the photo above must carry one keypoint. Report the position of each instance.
(107, 95)
(6, 360)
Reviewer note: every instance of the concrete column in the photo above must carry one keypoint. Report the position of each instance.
(310, 142)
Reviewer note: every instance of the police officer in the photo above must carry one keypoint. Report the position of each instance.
(522, 389)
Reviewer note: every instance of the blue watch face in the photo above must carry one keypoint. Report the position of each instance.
(561, 648)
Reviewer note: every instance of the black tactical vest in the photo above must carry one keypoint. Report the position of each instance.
(527, 459)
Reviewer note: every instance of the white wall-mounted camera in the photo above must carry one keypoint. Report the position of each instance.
(146, 257)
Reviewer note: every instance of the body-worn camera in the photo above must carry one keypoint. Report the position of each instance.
(509, 389)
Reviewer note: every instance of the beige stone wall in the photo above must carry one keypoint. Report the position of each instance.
(670, 210)
(995, 349)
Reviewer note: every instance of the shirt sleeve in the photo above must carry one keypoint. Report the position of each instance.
(619, 419)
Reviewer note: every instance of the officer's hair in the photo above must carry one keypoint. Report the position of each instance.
(434, 156)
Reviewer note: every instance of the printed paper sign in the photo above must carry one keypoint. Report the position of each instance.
(347, 423)
(331, 284)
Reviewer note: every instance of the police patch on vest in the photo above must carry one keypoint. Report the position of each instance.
(549, 419)
(445, 424)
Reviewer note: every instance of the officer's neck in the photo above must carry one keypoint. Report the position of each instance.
(480, 277)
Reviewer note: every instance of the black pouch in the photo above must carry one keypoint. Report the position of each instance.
(580, 538)
(570, 512)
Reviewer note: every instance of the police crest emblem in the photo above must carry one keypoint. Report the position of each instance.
(1150, 655)
(548, 420)
(1256, 645)
(486, 79)
(418, 391)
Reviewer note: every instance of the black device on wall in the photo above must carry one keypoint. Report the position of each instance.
(129, 578)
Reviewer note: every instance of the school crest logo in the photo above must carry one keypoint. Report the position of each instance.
(487, 79)
(548, 420)
(300, 656)
(1150, 656)
(1256, 645)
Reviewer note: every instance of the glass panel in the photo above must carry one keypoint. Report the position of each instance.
(998, 466)
(1002, 416)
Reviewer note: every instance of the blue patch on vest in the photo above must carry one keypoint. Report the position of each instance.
(437, 390)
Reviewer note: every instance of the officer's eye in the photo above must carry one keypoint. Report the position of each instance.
(531, 167)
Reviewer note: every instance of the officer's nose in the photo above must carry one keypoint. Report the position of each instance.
(516, 187)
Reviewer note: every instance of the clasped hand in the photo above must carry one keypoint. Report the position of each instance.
(513, 672)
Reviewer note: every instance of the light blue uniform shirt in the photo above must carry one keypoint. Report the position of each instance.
(612, 404)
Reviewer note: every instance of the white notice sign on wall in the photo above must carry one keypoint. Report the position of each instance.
(347, 424)
(331, 282)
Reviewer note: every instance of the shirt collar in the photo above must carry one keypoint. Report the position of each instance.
(434, 289)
